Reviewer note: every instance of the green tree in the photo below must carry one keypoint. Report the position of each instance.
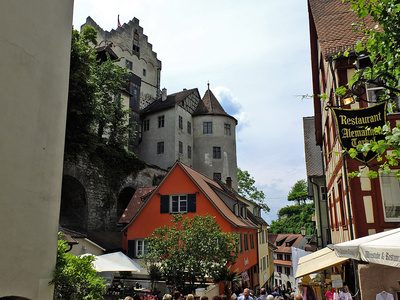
(382, 43)
(74, 278)
(299, 192)
(248, 190)
(191, 249)
(292, 218)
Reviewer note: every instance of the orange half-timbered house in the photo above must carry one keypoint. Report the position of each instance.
(183, 190)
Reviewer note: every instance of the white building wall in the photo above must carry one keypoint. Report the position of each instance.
(34, 59)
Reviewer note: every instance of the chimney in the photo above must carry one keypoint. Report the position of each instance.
(229, 181)
(164, 94)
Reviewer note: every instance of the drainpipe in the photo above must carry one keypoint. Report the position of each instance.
(320, 235)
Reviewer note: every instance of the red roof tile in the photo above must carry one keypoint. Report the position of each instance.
(136, 203)
(333, 21)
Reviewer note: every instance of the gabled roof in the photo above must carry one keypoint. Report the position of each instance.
(206, 185)
(333, 19)
(171, 101)
(297, 238)
(70, 235)
(138, 200)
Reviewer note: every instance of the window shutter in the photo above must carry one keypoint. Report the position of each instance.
(191, 202)
(164, 207)
(131, 248)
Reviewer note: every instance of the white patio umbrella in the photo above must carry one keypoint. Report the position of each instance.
(380, 248)
(114, 262)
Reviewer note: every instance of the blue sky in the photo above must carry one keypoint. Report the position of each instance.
(255, 55)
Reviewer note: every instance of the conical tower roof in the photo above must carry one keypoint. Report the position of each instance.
(209, 105)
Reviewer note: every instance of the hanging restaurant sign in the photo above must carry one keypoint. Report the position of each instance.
(356, 126)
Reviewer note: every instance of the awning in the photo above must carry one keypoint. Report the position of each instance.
(380, 248)
(114, 262)
(318, 261)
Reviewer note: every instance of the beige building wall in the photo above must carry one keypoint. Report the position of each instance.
(34, 57)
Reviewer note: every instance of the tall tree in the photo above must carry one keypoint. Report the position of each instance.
(248, 190)
(299, 192)
(191, 249)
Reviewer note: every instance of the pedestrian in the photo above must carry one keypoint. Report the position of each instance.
(298, 297)
(128, 298)
(176, 295)
(275, 292)
(270, 297)
(263, 294)
(190, 297)
(167, 297)
(246, 295)
(204, 298)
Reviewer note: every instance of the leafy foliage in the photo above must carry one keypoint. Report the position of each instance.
(191, 249)
(299, 192)
(98, 124)
(382, 42)
(292, 218)
(247, 189)
(74, 278)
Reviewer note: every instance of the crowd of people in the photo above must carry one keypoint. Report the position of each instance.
(275, 295)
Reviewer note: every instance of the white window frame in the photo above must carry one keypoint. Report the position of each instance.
(181, 201)
(140, 247)
(390, 191)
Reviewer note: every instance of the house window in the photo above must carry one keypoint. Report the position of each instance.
(262, 237)
(207, 127)
(264, 265)
(189, 152)
(217, 175)
(227, 128)
(178, 203)
(287, 257)
(141, 248)
(161, 121)
(240, 243)
(128, 64)
(180, 122)
(280, 256)
(243, 212)
(189, 127)
(323, 193)
(287, 271)
(390, 189)
(160, 147)
(279, 269)
(180, 147)
(251, 241)
(146, 125)
(216, 152)
(236, 209)
(246, 242)
(144, 72)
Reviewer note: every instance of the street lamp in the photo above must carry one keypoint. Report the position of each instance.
(303, 231)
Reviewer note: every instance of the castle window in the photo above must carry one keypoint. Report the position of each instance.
(180, 147)
(189, 152)
(146, 125)
(207, 127)
(227, 128)
(180, 122)
(161, 121)
(144, 72)
(216, 152)
(160, 147)
(128, 64)
(217, 175)
(189, 127)
(136, 35)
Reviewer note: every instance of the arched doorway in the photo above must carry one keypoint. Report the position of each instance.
(124, 198)
(74, 210)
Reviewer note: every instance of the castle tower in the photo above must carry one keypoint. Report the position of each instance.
(214, 140)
